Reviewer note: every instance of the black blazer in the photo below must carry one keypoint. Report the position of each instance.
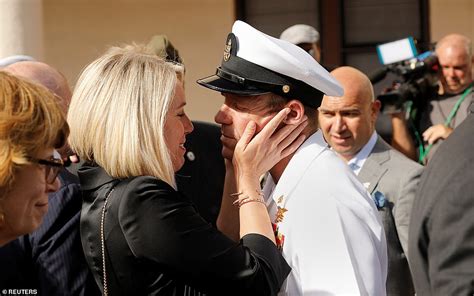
(157, 243)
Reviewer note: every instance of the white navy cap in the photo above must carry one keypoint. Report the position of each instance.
(300, 33)
(255, 63)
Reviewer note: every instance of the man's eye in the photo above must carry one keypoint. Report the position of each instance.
(350, 114)
(240, 108)
(327, 114)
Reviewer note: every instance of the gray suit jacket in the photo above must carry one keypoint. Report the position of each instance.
(396, 177)
(442, 228)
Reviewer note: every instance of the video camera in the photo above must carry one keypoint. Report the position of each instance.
(418, 79)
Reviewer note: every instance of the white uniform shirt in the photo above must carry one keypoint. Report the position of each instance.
(333, 235)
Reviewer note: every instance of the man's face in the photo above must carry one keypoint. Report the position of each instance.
(455, 68)
(347, 123)
(234, 115)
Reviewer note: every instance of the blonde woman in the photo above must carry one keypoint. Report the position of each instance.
(139, 234)
(32, 125)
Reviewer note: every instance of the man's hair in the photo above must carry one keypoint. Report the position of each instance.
(118, 113)
(31, 120)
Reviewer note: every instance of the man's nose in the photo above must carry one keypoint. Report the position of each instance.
(339, 123)
(450, 72)
(222, 116)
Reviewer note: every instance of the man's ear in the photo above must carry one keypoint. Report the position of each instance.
(376, 105)
(296, 114)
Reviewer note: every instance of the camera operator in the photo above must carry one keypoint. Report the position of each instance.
(450, 107)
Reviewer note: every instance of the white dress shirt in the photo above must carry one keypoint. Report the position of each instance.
(357, 162)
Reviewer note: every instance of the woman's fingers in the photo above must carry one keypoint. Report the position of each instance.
(287, 135)
(256, 154)
(247, 135)
(287, 129)
(273, 124)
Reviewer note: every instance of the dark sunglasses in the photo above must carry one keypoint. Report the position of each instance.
(52, 167)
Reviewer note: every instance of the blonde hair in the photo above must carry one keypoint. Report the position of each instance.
(31, 119)
(118, 112)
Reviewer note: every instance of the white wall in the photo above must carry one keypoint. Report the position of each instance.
(21, 28)
(451, 16)
(77, 31)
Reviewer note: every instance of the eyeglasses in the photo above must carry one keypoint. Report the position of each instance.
(52, 167)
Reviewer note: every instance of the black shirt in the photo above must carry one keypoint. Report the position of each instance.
(158, 244)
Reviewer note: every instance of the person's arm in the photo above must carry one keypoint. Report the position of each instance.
(228, 219)
(255, 155)
(162, 227)
(401, 138)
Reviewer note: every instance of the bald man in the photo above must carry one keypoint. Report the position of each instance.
(50, 78)
(50, 260)
(454, 53)
(45, 75)
(348, 125)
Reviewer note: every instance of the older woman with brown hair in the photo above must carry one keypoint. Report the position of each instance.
(32, 125)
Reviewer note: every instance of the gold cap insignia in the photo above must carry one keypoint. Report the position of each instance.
(286, 88)
(227, 49)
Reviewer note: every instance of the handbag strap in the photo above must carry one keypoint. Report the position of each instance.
(102, 242)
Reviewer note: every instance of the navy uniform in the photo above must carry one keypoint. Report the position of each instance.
(325, 222)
